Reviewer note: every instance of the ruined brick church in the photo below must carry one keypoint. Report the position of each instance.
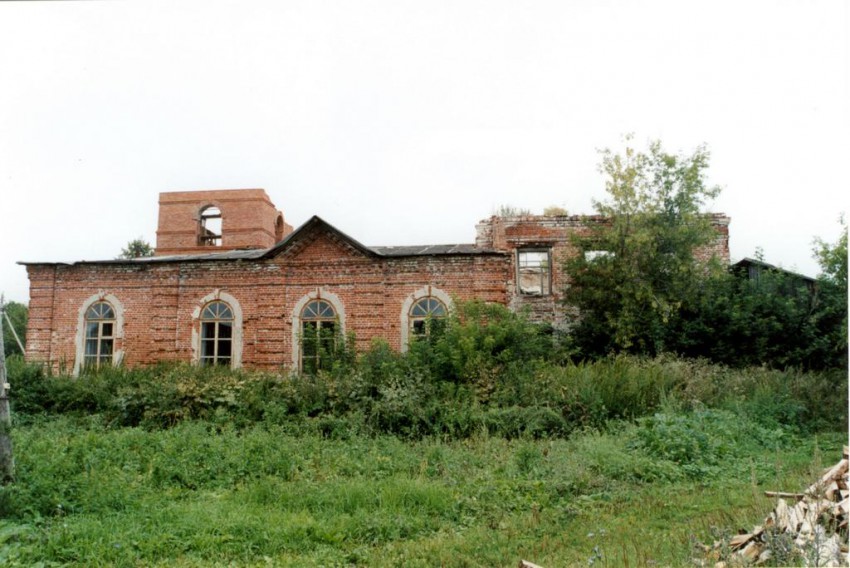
(232, 283)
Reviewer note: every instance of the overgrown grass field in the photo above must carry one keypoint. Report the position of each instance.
(479, 451)
(200, 494)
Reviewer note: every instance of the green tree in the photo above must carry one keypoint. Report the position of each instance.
(832, 294)
(18, 314)
(636, 269)
(779, 320)
(137, 248)
(554, 211)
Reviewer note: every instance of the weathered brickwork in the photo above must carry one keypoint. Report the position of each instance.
(555, 233)
(158, 299)
(248, 217)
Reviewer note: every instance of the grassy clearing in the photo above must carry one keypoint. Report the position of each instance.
(475, 452)
(202, 494)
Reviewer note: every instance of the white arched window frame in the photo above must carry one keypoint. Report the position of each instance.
(410, 301)
(115, 335)
(298, 323)
(236, 335)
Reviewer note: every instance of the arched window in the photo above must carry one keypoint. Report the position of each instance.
(422, 315)
(209, 228)
(318, 335)
(100, 335)
(278, 229)
(216, 334)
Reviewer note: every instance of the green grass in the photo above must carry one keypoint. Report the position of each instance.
(203, 494)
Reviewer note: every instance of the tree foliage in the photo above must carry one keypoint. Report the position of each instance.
(832, 292)
(554, 211)
(18, 314)
(779, 320)
(638, 268)
(137, 248)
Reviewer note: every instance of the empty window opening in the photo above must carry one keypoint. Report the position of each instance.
(100, 335)
(318, 336)
(425, 316)
(278, 229)
(534, 274)
(210, 227)
(216, 334)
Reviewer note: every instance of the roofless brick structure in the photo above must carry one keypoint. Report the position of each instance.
(232, 283)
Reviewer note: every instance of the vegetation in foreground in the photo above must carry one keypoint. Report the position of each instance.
(201, 494)
(624, 461)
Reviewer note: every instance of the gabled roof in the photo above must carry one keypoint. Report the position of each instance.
(748, 262)
(315, 222)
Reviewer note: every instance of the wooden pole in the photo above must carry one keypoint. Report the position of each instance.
(14, 333)
(7, 461)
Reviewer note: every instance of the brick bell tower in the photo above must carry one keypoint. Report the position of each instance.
(201, 222)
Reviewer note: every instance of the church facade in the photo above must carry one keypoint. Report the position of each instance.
(232, 283)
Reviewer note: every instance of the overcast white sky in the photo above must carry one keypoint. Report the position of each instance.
(407, 122)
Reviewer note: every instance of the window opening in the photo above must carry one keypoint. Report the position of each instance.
(534, 275)
(216, 334)
(318, 336)
(210, 227)
(278, 229)
(423, 315)
(593, 255)
(100, 335)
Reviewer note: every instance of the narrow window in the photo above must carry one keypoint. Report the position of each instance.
(423, 316)
(278, 229)
(534, 275)
(318, 336)
(100, 335)
(216, 334)
(209, 231)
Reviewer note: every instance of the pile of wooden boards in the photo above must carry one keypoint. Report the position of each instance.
(814, 528)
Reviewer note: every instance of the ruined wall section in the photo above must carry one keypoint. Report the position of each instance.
(555, 234)
(248, 220)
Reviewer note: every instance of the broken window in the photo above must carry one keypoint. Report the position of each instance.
(216, 334)
(534, 275)
(318, 336)
(209, 230)
(100, 335)
(425, 315)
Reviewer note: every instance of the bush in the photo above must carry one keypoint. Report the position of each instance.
(699, 441)
(489, 371)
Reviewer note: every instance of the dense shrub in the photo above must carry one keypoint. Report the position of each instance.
(486, 370)
(700, 440)
(775, 321)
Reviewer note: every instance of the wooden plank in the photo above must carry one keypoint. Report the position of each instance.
(784, 494)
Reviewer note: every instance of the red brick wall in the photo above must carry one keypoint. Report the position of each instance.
(159, 298)
(556, 232)
(249, 220)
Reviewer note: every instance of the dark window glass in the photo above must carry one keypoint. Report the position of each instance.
(100, 342)
(318, 336)
(424, 313)
(216, 334)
